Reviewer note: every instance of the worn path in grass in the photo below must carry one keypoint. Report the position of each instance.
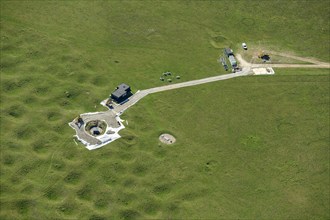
(315, 63)
(139, 95)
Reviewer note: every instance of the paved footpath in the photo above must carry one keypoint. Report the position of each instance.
(112, 116)
(140, 94)
(247, 67)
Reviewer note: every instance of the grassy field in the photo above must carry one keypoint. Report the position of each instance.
(250, 147)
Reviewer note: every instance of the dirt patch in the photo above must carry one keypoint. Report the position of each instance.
(285, 57)
(167, 139)
(316, 64)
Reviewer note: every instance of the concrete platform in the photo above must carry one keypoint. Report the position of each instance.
(263, 71)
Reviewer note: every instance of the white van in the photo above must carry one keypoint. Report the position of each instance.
(244, 46)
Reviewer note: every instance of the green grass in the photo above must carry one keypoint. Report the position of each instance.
(250, 147)
(302, 71)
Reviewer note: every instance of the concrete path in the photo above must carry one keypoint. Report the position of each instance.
(111, 117)
(247, 67)
(140, 94)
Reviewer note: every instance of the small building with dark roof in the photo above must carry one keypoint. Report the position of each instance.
(228, 52)
(122, 93)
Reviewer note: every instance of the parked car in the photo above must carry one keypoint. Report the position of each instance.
(244, 46)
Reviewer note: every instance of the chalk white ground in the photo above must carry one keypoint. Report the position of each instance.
(94, 142)
(263, 71)
(167, 139)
